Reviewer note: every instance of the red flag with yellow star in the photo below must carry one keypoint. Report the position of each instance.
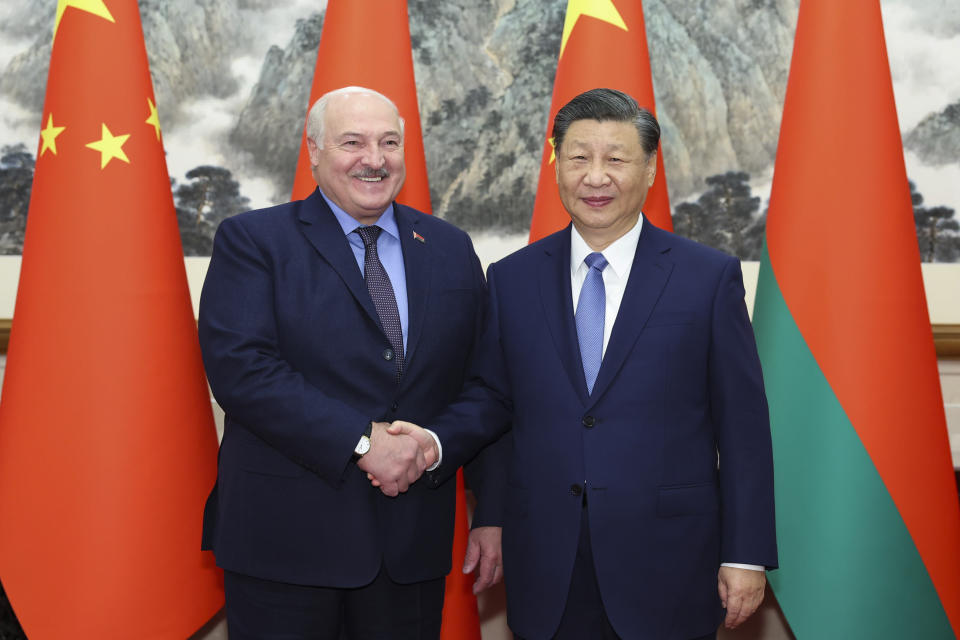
(592, 30)
(107, 443)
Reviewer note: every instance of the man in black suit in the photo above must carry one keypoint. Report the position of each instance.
(639, 497)
(321, 320)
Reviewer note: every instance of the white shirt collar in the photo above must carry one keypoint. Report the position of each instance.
(387, 220)
(619, 254)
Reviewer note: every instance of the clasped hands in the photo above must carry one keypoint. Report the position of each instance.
(399, 454)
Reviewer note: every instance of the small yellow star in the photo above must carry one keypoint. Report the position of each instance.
(109, 146)
(153, 119)
(553, 150)
(96, 7)
(599, 9)
(49, 136)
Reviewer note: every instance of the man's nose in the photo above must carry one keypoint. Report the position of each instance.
(596, 175)
(373, 155)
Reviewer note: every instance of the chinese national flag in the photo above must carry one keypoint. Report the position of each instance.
(868, 525)
(107, 443)
(604, 44)
(349, 57)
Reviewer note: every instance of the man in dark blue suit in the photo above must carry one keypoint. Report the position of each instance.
(624, 358)
(322, 320)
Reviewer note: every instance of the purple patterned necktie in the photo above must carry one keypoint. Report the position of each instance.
(378, 284)
(591, 309)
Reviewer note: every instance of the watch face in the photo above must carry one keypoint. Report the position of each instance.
(363, 446)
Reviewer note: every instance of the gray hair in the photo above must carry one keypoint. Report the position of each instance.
(605, 105)
(317, 113)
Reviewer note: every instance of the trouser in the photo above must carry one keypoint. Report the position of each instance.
(260, 609)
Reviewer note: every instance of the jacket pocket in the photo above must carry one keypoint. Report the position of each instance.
(687, 499)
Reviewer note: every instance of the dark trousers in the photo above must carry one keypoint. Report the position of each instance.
(383, 610)
(584, 615)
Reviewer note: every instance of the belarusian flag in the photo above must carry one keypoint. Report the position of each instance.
(107, 443)
(867, 514)
(604, 45)
(367, 43)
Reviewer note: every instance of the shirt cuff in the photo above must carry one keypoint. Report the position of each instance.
(439, 450)
(737, 565)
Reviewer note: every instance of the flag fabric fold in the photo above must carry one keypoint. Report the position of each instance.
(367, 43)
(603, 45)
(867, 513)
(107, 441)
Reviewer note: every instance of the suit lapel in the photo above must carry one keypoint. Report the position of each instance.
(417, 262)
(321, 228)
(558, 307)
(648, 276)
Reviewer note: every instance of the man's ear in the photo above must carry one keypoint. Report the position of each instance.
(313, 151)
(651, 168)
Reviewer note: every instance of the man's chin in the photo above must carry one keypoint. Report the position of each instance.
(369, 208)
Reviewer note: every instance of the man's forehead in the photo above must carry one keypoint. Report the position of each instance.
(612, 133)
(353, 110)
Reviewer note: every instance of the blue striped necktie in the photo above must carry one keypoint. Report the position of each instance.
(591, 309)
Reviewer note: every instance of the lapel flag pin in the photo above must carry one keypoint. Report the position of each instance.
(418, 237)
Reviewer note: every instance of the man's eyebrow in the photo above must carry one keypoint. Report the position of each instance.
(610, 146)
(345, 134)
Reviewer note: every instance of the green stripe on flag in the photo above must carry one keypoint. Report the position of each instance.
(848, 566)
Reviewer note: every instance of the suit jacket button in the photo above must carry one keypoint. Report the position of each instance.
(394, 407)
(589, 421)
(387, 354)
(576, 489)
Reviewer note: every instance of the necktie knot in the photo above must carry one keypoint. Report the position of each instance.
(596, 261)
(369, 235)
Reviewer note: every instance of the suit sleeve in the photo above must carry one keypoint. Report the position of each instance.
(486, 475)
(247, 373)
(739, 410)
(483, 410)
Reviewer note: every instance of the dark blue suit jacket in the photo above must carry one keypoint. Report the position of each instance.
(680, 384)
(295, 356)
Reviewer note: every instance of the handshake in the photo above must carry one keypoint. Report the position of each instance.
(399, 454)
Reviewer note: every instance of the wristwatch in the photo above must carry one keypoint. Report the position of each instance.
(364, 445)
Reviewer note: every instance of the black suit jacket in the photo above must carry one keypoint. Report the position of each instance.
(295, 356)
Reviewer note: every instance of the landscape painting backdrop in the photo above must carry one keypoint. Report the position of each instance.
(232, 81)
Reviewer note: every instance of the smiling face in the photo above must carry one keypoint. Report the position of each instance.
(360, 163)
(603, 175)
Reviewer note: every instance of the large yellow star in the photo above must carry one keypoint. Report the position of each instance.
(49, 136)
(153, 119)
(109, 146)
(553, 150)
(96, 7)
(599, 9)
